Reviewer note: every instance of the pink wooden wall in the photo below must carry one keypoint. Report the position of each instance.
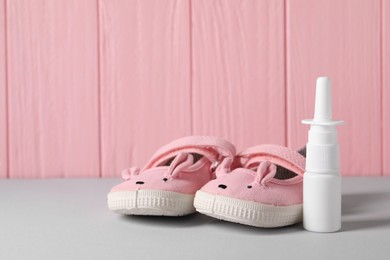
(88, 87)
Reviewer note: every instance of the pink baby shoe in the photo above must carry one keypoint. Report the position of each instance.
(265, 190)
(166, 186)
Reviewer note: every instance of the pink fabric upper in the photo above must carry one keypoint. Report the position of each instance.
(254, 180)
(183, 174)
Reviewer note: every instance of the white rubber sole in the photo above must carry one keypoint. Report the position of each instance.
(247, 212)
(151, 202)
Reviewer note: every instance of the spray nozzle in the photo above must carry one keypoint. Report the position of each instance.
(323, 105)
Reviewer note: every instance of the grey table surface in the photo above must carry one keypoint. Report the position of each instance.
(68, 219)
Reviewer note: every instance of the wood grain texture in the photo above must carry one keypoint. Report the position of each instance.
(339, 39)
(90, 87)
(53, 94)
(145, 79)
(3, 94)
(238, 70)
(386, 86)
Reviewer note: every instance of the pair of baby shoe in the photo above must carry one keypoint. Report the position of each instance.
(261, 186)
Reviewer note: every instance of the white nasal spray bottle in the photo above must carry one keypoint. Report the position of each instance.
(322, 181)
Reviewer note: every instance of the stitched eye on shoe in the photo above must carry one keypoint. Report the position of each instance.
(165, 179)
(222, 186)
(249, 186)
(139, 182)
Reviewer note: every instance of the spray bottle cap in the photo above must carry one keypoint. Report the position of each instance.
(323, 105)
